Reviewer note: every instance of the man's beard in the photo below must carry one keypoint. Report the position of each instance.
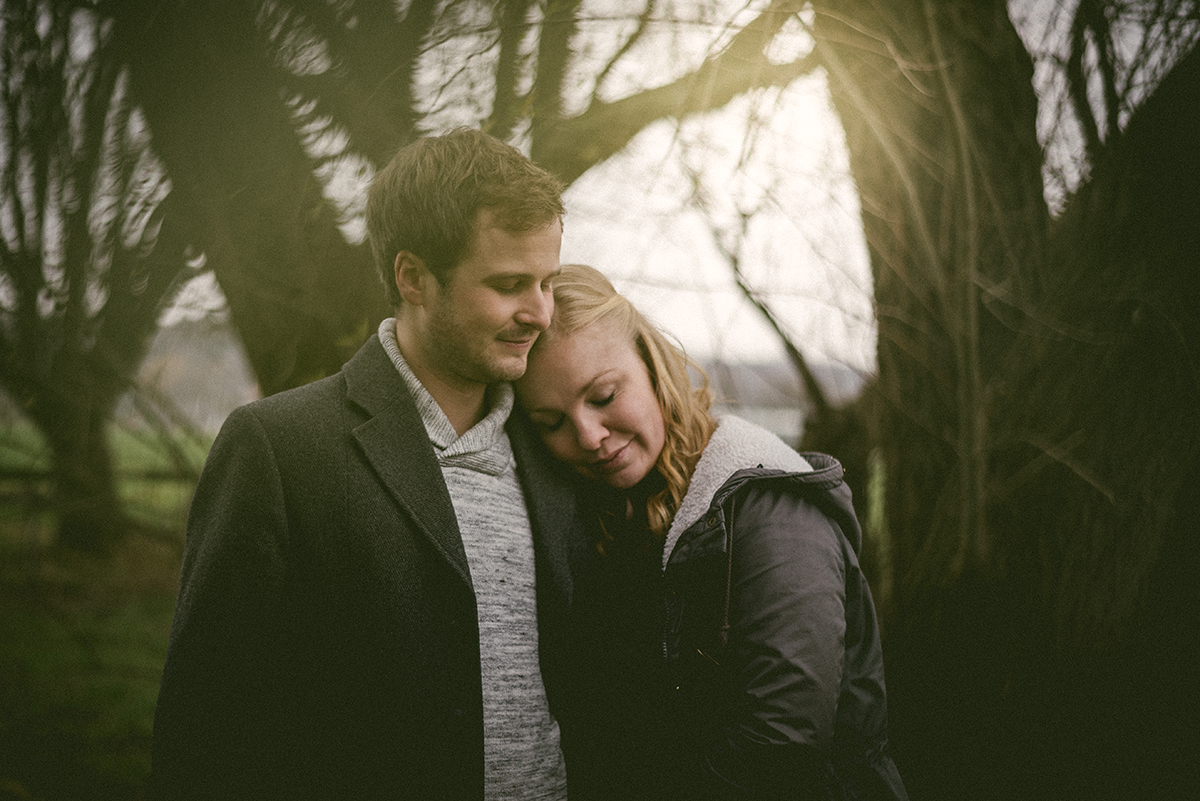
(472, 356)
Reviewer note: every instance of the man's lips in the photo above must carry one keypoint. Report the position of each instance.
(521, 343)
(522, 339)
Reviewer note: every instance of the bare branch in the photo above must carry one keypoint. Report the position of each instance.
(732, 253)
(642, 26)
(573, 145)
(507, 105)
(1101, 27)
(559, 25)
(1077, 80)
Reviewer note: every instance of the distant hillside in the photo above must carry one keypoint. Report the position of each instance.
(770, 393)
(199, 370)
(775, 384)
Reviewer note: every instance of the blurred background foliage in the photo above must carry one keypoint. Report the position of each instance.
(1025, 455)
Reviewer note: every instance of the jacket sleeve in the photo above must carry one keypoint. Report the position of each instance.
(786, 649)
(223, 694)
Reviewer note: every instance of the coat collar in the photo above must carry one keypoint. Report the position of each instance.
(735, 444)
(394, 442)
(553, 512)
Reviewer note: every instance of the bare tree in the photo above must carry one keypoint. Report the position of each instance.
(250, 101)
(85, 257)
(1035, 404)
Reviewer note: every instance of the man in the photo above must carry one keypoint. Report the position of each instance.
(358, 615)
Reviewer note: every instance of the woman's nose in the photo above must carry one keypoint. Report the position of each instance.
(591, 433)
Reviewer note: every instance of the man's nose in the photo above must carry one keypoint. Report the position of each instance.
(537, 308)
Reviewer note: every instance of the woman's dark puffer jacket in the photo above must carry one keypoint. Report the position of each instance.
(790, 703)
(795, 700)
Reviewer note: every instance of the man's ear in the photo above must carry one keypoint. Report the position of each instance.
(412, 277)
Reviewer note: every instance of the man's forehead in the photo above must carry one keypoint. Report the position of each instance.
(495, 217)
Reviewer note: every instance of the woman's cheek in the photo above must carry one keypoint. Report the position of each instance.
(560, 446)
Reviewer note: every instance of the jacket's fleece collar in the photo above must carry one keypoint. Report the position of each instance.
(735, 445)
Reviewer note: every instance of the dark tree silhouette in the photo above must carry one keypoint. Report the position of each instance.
(86, 253)
(1037, 397)
(227, 85)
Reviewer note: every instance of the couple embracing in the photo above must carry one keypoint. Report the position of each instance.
(508, 551)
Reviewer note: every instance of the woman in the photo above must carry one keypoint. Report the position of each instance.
(726, 641)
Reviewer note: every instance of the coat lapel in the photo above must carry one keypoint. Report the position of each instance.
(551, 504)
(395, 444)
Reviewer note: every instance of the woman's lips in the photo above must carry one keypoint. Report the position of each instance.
(611, 463)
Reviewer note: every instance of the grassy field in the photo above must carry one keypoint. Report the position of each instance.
(82, 638)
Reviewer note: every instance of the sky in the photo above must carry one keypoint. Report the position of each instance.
(651, 217)
(634, 217)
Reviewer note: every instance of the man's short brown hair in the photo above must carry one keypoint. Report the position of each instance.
(428, 198)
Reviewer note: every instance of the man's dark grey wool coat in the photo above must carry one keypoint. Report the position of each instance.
(325, 642)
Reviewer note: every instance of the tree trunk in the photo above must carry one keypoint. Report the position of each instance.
(1028, 373)
(301, 297)
(940, 122)
(939, 113)
(91, 516)
(71, 408)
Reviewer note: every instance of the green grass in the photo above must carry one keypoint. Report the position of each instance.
(143, 460)
(21, 447)
(146, 450)
(83, 638)
(134, 449)
(82, 641)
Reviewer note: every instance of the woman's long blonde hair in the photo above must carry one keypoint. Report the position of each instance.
(582, 297)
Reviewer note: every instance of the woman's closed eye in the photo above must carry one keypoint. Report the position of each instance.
(549, 425)
(604, 401)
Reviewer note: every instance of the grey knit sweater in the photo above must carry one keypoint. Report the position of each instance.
(522, 757)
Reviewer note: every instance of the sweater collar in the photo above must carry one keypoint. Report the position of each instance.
(736, 444)
(483, 448)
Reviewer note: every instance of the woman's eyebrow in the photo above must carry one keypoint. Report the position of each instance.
(583, 390)
(598, 377)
